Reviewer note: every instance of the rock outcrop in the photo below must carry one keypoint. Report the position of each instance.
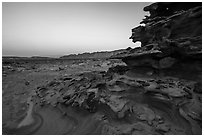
(171, 46)
(171, 40)
(172, 35)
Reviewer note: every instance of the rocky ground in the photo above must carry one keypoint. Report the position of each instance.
(153, 89)
(23, 78)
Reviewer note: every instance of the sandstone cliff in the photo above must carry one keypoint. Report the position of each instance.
(171, 40)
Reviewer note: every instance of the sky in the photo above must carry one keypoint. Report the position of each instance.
(56, 29)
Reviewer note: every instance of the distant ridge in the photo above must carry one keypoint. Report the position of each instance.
(86, 55)
(102, 54)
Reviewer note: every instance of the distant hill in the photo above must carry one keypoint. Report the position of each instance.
(93, 55)
(13, 57)
(18, 57)
(96, 55)
(6, 58)
(39, 57)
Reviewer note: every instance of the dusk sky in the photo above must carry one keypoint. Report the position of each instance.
(56, 29)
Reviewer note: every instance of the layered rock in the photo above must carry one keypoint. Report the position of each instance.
(171, 38)
(149, 106)
(171, 46)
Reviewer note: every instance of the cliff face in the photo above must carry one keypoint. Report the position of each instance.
(171, 40)
(169, 21)
(171, 49)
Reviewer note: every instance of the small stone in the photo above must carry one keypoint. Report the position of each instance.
(27, 83)
(163, 127)
(143, 83)
(121, 114)
(64, 114)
